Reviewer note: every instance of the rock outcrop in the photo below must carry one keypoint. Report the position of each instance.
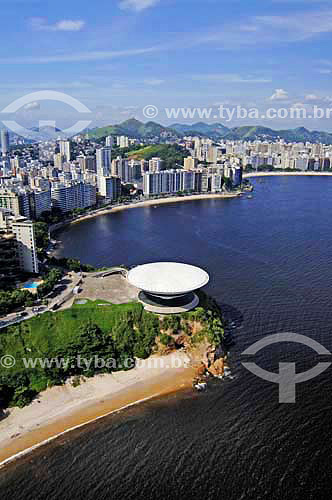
(182, 340)
(217, 368)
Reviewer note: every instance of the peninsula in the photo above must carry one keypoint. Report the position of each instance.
(71, 366)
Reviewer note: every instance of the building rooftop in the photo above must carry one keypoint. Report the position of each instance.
(167, 278)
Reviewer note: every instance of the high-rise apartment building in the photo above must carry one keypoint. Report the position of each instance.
(26, 244)
(123, 168)
(122, 141)
(87, 163)
(65, 150)
(110, 187)
(40, 201)
(168, 181)
(104, 161)
(190, 163)
(156, 165)
(109, 141)
(70, 195)
(16, 200)
(58, 160)
(4, 141)
(136, 170)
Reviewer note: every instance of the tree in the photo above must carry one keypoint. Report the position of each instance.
(41, 235)
(166, 339)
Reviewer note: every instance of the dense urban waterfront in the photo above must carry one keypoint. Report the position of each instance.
(269, 258)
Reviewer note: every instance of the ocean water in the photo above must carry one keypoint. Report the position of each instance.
(270, 264)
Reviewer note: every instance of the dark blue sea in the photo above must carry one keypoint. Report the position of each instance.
(270, 261)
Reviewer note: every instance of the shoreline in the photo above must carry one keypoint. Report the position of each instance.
(176, 199)
(266, 174)
(140, 204)
(26, 451)
(63, 409)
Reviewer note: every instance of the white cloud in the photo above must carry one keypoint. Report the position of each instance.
(327, 69)
(81, 56)
(46, 85)
(32, 106)
(279, 95)
(230, 78)
(257, 30)
(298, 105)
(137, 5)
(311, 97)
(300, 25)
(68, 25)
(153, 82)
(326, 62)
(41, 24)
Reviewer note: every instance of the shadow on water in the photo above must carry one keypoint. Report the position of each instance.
(231, 314)
(233, 320)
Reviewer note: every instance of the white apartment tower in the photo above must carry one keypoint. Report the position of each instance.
(26, 244)
(122, 141)
(65, 150)
(109, 141)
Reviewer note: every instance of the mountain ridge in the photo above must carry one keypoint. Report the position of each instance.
(138, 130)
(133, 128)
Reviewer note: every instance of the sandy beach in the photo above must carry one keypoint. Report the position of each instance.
(63, 408)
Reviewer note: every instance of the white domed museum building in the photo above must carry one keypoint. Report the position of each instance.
(168, 287)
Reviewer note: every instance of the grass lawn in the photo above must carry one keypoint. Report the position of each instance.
(139, 154)
(51, 332)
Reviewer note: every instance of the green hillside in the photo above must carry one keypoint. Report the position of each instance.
(51, 347)
(110, 331)
(172, 154)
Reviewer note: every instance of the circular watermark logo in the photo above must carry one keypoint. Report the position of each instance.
(287, 378)
(7, 361)
(150, 111)
(31, 100)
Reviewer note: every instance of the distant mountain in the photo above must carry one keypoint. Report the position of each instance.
(200, 128)
(300, 134)
(135, 129)
(47, 133)
(138, 130)
(45, 129)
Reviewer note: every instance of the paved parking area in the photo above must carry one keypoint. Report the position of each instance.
(114, 288)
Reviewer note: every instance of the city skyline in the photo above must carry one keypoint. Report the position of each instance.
(248, 54)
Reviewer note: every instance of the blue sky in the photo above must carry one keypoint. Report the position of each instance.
(118, 56)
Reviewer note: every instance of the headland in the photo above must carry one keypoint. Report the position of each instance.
(170, 352)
